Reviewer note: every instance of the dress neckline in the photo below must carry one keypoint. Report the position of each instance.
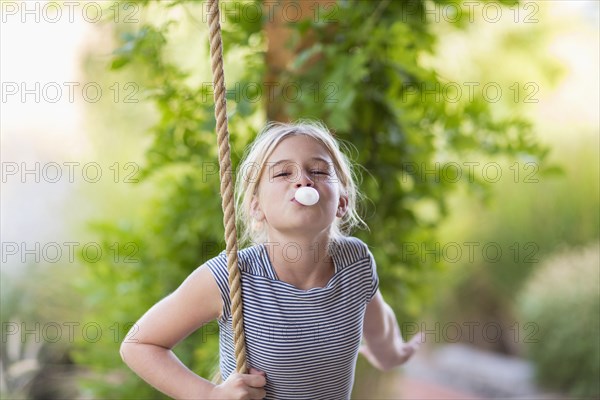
(273, 274)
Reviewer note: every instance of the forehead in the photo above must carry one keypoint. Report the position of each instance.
(299, 148)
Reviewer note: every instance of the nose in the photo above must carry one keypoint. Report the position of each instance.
(304, 180)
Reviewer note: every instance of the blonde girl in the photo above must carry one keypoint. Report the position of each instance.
(310, 291)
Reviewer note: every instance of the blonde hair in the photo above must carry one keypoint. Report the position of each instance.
(252, 166)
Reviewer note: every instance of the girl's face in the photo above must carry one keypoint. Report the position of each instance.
(298, 161)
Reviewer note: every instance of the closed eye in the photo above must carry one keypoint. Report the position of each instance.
(282, 174)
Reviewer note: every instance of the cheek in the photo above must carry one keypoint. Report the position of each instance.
(267, 195)
(333, 188)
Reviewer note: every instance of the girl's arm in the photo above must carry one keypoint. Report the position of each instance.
(384, 347)
(147, 348)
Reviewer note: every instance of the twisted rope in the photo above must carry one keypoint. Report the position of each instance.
(227, 200)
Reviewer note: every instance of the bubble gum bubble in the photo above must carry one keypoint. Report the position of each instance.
(307, 196)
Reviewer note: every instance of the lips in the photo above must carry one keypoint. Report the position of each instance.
(299, 204)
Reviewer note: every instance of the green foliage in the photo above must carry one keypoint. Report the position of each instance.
(530, 217)
(531, 213)
(562, 299)
(367, 84)
(374, 94)
(546, 213)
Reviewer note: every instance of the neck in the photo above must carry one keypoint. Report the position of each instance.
(301, 261)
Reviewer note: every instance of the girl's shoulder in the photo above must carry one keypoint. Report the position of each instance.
(350, 247)
(250, 262)
(251, 259)
(353, 256)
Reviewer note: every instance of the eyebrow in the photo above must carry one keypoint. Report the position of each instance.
(276, 163)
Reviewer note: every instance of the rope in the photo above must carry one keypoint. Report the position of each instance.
(227, 200)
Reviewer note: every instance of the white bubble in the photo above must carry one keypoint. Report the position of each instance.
(307, 196)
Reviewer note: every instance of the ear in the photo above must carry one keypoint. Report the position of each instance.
(342, 206)
(255, 210)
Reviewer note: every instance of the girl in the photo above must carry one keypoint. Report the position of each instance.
(310, 293)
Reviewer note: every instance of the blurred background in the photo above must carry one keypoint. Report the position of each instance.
(475, 125)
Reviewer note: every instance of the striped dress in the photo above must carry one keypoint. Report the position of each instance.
(306, 341)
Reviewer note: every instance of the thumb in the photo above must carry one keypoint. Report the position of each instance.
(417, 340)
(364, 350)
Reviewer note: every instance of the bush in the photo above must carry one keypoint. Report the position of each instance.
(562, 299)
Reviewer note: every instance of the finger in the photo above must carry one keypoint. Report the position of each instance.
(366, 352)
(417, 340)
(254, 380)
(254, 371)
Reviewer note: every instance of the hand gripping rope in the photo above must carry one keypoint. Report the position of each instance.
(227, 199)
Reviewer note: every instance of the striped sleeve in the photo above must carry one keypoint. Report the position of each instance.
(218, 267)
(374, 276)
(356, 253)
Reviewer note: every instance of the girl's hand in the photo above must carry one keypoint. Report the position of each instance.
(403, 353)
(409, 348)
(242, 386)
